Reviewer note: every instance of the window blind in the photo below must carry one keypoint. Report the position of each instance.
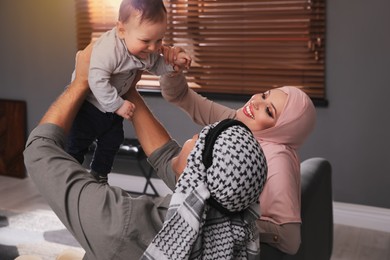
(238, 47)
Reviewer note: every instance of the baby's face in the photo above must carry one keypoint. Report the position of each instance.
(142, 38)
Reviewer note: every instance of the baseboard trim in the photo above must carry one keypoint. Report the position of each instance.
(361, 216)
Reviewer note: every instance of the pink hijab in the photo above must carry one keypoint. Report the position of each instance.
(280, 200)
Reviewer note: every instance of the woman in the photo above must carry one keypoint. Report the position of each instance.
(212, 213)
(280, 119)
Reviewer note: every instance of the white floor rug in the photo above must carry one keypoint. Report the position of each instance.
(38, 232)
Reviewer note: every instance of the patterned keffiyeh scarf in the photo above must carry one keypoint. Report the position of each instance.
(214, 206)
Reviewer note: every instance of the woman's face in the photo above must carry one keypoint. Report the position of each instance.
(262, 110)
(259, 113)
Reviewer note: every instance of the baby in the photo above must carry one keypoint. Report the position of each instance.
(134, 44)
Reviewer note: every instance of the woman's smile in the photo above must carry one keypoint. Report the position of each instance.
(248, 110)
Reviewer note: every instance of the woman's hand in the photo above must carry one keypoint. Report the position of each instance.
(177, 57)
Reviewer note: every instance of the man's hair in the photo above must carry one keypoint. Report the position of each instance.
(150, 10)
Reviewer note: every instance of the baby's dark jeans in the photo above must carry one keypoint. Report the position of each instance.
(92, 125)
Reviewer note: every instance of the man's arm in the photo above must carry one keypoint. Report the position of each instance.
(63, 111)
(150, 132)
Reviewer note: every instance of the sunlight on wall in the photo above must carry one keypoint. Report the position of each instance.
(114, 3)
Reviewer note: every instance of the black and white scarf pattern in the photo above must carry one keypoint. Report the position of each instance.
(195, 229)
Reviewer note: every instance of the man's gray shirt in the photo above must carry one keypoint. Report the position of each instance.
(107, 221)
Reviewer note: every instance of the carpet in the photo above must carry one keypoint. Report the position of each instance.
(38, 232)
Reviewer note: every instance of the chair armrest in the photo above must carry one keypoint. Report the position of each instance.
(316, 210)
(316, 213)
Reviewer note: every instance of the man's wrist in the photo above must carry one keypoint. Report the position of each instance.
(80, 84)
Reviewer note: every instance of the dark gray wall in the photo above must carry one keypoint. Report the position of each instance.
(38, 44)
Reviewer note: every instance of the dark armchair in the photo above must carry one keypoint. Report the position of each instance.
(316, 212)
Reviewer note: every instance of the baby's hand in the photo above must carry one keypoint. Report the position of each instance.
(126, 110)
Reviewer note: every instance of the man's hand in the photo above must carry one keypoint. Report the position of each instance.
(64, 109)
(133, 89)
(83, 58)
